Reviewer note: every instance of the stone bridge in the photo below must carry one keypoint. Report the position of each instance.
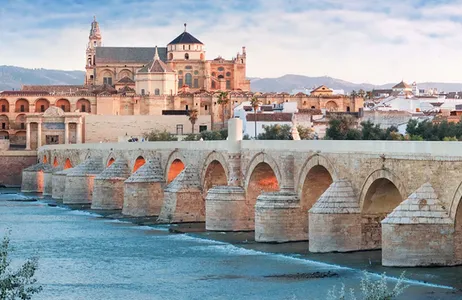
(401, 197)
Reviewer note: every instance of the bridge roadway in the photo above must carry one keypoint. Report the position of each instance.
(400, 196)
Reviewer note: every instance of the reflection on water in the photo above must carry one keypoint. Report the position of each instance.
(84, 256)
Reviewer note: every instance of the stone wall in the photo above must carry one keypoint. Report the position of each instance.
(11, 165)
(97, 126)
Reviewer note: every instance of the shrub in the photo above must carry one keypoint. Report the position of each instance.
(157, 135)
(370, 289)
(16, 284)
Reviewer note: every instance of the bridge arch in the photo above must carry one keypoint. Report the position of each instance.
(214, 158)
(138, 163)
(381, 193)
(259, 159)
(316, 175)
(67, 164)
(215, 172)
(111, 158)
(455, 213)
(380, 177)
(45, 159)
(55, 162)
(175, 164)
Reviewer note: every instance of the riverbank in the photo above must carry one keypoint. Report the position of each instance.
(291, 257)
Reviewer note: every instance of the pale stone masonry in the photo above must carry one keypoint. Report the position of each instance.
(268, 186)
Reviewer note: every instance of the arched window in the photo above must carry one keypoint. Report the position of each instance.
(188, 79)
(213, 85)
(228, 74)
(170, 56)
(186, 56)
(157, 92)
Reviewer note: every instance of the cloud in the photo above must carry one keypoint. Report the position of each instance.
(356, 40)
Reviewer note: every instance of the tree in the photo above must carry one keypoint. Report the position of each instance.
(305, 133)
(223, 100)
(17, 284)
(193, 116)
(276, 132)
(157, 135)
(361, 93)
(255, 103)
(339, 126)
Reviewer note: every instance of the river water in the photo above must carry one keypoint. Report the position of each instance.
(85, 256)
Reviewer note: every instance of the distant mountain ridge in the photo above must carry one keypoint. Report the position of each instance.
(12, 77)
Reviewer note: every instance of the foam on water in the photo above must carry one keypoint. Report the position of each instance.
(82, 213)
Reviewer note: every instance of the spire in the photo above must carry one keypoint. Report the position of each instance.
(185, 27)
(94, 31)
(156, 54)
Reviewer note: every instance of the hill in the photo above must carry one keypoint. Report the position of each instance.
(14, 77)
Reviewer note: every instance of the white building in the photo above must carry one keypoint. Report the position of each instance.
(266, 115)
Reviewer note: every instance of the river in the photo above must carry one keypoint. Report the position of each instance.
(85, 256)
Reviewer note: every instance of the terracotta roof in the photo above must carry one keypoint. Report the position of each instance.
(185, 38)
(322, 88)
(274, 117)
(52, 88)
(402, 85)
(125, 80)
(25, 93)
(105, 55)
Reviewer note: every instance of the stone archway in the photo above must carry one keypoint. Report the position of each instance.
(67, 164)
(55, 162)
(175, 164)
(380, 195)
(214, 157)
(456, 214)
(41, 105)
(260, 179)
(139, 162)
(215, 174)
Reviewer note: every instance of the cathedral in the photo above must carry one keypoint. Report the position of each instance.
(163, 70)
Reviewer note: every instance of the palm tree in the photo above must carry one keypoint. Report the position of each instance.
(223, 100)
(353, 94)
(193, 116)
(255, 103)
(361, 93)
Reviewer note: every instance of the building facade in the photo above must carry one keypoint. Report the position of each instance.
(184, 57)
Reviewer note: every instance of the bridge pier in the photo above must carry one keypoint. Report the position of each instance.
(32, 178)
(79, 181)
(279, 218)
(419, 232)
(183, 201)
(108, 189)
(335, 220)
(143, 190)
(59, 183)
(48, 180)
(226, 209)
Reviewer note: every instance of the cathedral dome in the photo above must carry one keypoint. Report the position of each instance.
(185, 38)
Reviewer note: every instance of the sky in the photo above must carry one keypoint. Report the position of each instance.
(363, 41)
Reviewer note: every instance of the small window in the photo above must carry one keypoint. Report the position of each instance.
(186, 56)
(184, 47)
(91, 76)
(143, 92)
(228, 74)
(188, 67)
(3, 108)
(94, 43)
(107, 80)
(196, 72)
(84, 109)
(157, 92)
(42, 108)
(213, 85)
(22, 126)
(313, 107)
(228, 84)
(3, 125)
(170, 56)
(63, 107)
(188, 79)
(221, 69)
(348, 108)
(202, 128)
(187, 107)
(206, 107)
(189, 47)
(180, 83)
(179, 129)
(180, 72)
(22, 108)
(196, 83)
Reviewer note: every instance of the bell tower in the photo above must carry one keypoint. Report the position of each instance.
(94, 40)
